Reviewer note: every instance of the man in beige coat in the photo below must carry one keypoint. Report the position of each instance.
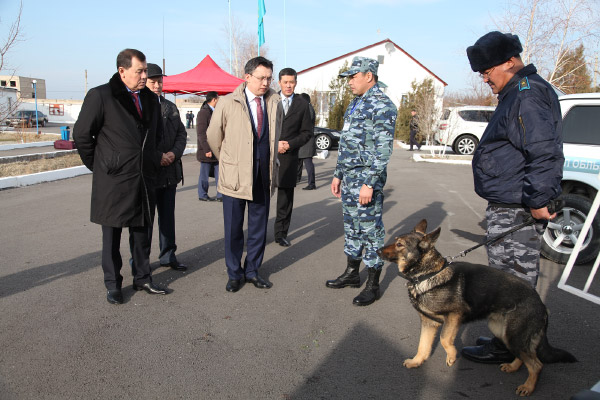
(243, 135)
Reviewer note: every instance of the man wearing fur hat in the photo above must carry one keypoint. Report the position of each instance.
(517, 166)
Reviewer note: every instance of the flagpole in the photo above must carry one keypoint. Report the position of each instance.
(230, 34)
(284, 39)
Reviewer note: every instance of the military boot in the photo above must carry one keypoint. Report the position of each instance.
(371, 291)
(350, 277)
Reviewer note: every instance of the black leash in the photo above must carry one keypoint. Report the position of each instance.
(553, 206)
(493, 240)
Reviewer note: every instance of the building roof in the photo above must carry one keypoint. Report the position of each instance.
(368, 47)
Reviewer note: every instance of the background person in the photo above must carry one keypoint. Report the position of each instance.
(116, 135)
(365, 148)
(247, 154)
(297, 129)
(308, 151)
(172, 146)
(517, 166)
(208, 162)
(414, 129)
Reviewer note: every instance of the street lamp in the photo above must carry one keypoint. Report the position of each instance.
(37, 130)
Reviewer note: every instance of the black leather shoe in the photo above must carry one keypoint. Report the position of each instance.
(493, 352)
(205, 198)
(309, 187)
(233, 285)
(175, 265)
(219, 199)
(114, 296)
(151, 288)
(259, 282)
(283, 242)
(481, 340)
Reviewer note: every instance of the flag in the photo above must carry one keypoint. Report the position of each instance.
(261, 27)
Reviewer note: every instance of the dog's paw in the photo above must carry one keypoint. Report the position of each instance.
(450, 360)
(524, 390)
(509, 368)
(412, 363)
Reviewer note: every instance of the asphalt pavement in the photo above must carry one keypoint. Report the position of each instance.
(59, 338)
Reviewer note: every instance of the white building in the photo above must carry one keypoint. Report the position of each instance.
(397, 69)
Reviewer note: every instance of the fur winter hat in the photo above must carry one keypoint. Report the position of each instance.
(493, 49)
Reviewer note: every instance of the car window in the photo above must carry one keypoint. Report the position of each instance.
(475, 115)
(581, 125)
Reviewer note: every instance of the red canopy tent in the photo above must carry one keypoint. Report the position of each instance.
(205, 77)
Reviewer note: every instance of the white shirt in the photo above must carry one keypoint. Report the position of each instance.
(251, 96)
(289, 100)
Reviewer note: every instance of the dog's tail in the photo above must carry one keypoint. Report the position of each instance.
(548, 354)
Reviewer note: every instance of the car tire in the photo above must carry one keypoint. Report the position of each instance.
(465, 145)
(323, 142)
(43, 123)
(563, 231)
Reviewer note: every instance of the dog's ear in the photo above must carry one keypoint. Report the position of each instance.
(421, 227)
(429, 240)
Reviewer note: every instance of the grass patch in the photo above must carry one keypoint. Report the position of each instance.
(32, 167)
(26, 137)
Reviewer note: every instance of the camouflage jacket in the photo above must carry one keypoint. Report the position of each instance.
(367, 139)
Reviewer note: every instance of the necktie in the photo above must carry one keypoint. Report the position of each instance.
(136, 101)
(286, 105)
(259, 116)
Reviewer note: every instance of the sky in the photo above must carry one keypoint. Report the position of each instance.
(64, 38)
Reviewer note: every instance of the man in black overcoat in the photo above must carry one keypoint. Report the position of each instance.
(297, 129)
(116, 135)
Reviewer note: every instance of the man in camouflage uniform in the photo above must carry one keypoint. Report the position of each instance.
(517, 166)
(365, 148)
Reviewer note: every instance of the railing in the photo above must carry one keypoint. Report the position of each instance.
(562, 284)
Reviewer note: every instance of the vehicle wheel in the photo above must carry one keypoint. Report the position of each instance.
(465, 145)
(562, 232)
(323, 142)
(43, 123)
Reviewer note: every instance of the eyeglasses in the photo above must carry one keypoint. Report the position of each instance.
(268, 79)
(486, 74)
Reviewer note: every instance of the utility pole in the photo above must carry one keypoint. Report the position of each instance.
(85, 83)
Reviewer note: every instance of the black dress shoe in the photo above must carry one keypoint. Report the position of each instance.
(233, 285)
(492, 352)
(283, 242)
(205, 198)
(150, 288)
(177, 266)
(114, 296)
(309, 187)
(219, 199)
(259, 282)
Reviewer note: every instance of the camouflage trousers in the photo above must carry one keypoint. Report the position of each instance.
(517, 253)
(363, 225)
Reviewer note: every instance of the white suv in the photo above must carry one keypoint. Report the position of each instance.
(462, 127)
(580, 183)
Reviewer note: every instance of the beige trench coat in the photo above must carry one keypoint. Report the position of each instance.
(230, 138)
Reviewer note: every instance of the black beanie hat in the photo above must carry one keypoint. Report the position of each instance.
(493, 49)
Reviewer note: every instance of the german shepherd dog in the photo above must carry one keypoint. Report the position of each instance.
(452, 294)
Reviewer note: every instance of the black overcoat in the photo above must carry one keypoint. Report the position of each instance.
(202, 122)
(310, 148)
(119, 148)
(297, 129)
(174, 139)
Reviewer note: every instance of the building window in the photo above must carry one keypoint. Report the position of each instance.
(380, 59)
(13, 83)
(2, 83)
(325, 101)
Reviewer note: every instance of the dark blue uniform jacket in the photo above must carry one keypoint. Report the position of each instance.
(520, 159)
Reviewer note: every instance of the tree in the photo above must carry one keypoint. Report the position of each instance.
(14, 36)
(244, 46)
(343, 96)
(422, 99)
(480, 94)
(550, 30)
(573, 76)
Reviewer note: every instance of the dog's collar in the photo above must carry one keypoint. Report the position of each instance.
(423, 278)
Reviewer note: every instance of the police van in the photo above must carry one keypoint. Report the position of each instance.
(580, 183)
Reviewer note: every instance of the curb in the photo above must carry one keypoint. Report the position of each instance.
(25, 145)
(49, 176)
